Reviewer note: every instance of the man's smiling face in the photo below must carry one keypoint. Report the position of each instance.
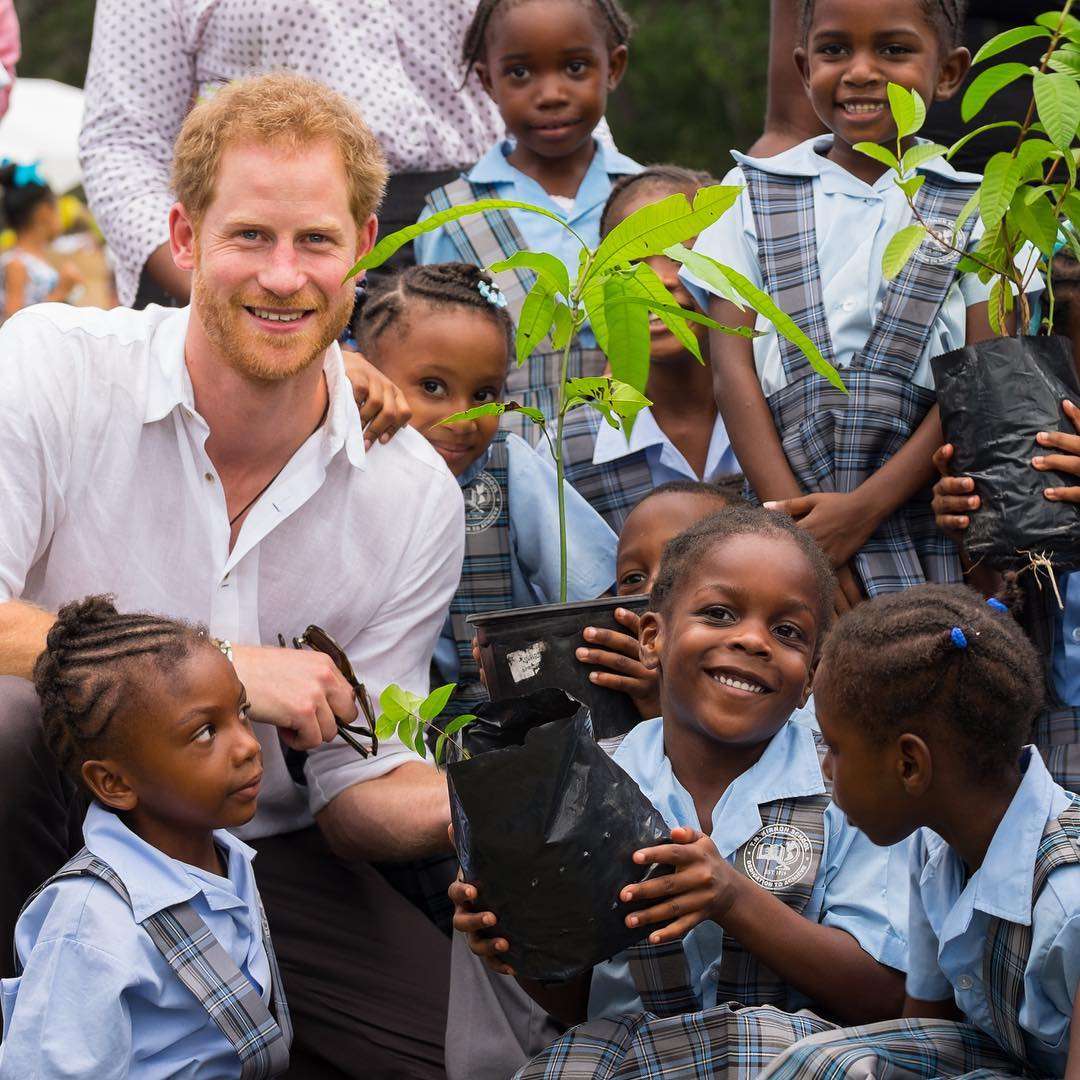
(270, 257)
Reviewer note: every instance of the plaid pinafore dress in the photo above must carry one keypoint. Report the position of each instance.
(929, 1049)
(261, 1039)
(747, 1028)
(833, 441)
(484, 239)
(486, 582)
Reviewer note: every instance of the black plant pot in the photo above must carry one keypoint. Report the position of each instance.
(546, 831)
(528, 649)
(995, 397)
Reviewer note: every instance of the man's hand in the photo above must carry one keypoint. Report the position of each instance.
(476, 926)
(297, 690)
(838, 521)
(704, 886)
(383, 408)
(1066, 460)
(621, 655)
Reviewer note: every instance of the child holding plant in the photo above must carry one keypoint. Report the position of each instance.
(811, 228)
(925, 701)
(549, 66)
(681, 434)
(442, 334)
(776, 899)
(149, 950)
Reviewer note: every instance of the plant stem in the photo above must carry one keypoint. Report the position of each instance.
(559, 473)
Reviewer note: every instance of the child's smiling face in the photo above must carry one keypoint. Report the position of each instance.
(736, 640)
(445, 361)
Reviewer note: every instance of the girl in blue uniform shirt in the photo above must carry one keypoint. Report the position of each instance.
(549, 66)
(776, 899)
(147, 956)
(442, 334)
(811, 228)
(926, 700)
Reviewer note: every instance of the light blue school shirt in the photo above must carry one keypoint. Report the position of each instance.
(1066, 659)
(534, 541)
(96, 998)
(950, 919)
(538, 232)
(855, 222)
(860, 888)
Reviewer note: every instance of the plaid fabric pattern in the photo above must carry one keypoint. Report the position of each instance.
(261, 1042)
(612, 488)
(897, 1050)
(835, 441)
(729, 1042)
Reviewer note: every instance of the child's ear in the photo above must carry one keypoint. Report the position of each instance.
(808, 688)
(107, 784)
(650, 640)
(953, 71)
(617, 60)
(483, 73)
(802, 61)
(914, 764)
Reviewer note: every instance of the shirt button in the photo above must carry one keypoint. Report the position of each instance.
(1076, 635)
(209, 477)
(848, 305)
(965, 982)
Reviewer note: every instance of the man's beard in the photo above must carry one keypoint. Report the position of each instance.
(263, 356)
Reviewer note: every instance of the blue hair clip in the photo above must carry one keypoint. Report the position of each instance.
(25, 175)
(958, 638)
(491, 293)
(997, 605)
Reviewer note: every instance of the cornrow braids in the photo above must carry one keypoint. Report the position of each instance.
(441, 285)
(946, 16)
(89, 666)
(728, 488)
(616, 24)
(668, 179)
(937, 657)
(683, 553)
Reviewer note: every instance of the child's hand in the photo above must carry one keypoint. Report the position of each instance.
(383, 408)
(836, 520)
(1067, 458)
(954, 497)
(621, 655)
(476, 926)
(704, 886)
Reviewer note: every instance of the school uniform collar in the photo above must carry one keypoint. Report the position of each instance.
(612, 445)
(788, 769)
(807, 159)
(494, 168)
(153, 880)
(169, 388)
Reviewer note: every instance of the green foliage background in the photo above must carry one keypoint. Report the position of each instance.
(696, 84)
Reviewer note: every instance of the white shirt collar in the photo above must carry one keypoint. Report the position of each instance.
(612, 444)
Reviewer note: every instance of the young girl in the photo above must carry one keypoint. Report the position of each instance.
(30, 210)
(811, 229)
(148, 952)
(549, 66)
(926, 701)
(681, 435)
(442, 334)
(776, 899)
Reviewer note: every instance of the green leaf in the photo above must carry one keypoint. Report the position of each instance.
(1000, 43)
(458, 723)
(653, 228)
(587, 387)
(389, 245)
(1057, 97)
(1032, 154)
(540, 263)
(436, 701)
(1065, 60)
(961, 143)
(536, 320)
(493, 408)
(920, 154)
(628, 333)
(392, 703)
(626, 401)
(969, 208)
(418, 741)
(910, 187)
(1000, 304)
(878, 153)
(1035, 217)
(535, 415)
(1070, 26)
(646, 283)
(593, 300)
(440, 749)
(987, 84)
(682, 254)
(999, 184)
(908, 109)
(562, 327)
(900, 248)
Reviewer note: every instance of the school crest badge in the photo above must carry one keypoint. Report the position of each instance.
(483, 503)
(778, 856)
(935, 247)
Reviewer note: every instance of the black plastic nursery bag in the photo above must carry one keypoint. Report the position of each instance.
(546, 831)
(995, 397)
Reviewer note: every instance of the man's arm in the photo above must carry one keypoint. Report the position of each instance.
(23, 629)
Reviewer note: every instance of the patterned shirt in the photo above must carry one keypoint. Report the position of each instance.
(400, 60)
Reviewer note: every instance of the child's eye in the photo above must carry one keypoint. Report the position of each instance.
(577, 67)
(205, 735)
(485, 397)
(896, 50)
(719, 614)
(245, 712)
(633, 579)
(519, 71)
(831, 50)
(789, 631)
(434, 387)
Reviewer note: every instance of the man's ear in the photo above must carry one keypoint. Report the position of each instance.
(650, 639)
(617, 60)
(952, 74)
(366, 238)
(182, 238)
(914, 764)
(107, 784)
(483, 73)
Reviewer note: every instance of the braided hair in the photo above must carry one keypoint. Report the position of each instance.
(941, 658)
(685, 552)
(728, 488)
(442, 285)
(610, 15)
(670, 179)
(946, 16)
(19, 201)
(89, 668)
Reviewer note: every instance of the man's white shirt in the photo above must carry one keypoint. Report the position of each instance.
(105, 486)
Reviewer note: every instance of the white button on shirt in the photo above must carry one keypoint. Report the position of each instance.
(102, 481)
